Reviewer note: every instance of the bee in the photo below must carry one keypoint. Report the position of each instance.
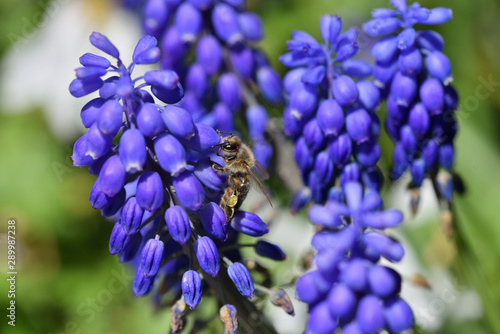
(238, 163)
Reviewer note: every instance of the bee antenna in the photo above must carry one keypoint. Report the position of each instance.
(226, 133)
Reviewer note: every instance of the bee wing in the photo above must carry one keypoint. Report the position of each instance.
(261, 171)
(258, 182)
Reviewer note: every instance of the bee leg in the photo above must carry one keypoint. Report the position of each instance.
(216, 166)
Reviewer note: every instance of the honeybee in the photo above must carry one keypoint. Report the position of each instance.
(238, 162)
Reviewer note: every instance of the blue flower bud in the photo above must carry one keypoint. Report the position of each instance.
(446, 156)
(118, 239)
(90, 111)
(398, 315)
(208, 176)
(379, 244)
(204, 138)
(304, 99)
(191, 288)
(142, 284)
(112, 176)
(419, 120)
(356, 68)
(149, 191)
(323, 166)
(299, 200)
(432, 95)
(349, 173)
(341, 301)
(222, 118)
(80, 157)
(371, 201)
(171, 154)
(429, 41)
(379, 27)
(370, 314)
(209, 54)
(386, 49)
(324, 216)
(321, 320)
(241, 278)
(314, 75)
(178, 121)
(408, 139)
(330, 117)
(404, 89)
(355, 274)
(418, 172)
(227, 314)
(317, 186)
(383, 73)
(293, 79)
(131, 217)
(188, 21)
(151, 257)
(189, 190)
(172, 46)
(257, 119)
(345, 91)
(450, 98)
(367, 153)
(225, 23)
(131, 248)
(343, 239)
(309, 287)
(178, 224)
(155, 16)
(438, 15)
(303, 156)
(315, 139)
(263, 152)
(438, 65)
(382, 13)
(228, 91)
(430, 154)
(213, 220)
(419, 13)
(372, 179)
(293, 122)
(242, 60)
(346, 51)
(124, 87)
(382, 219)
(410, 61)
(132, 150)
(110, 88)
(347, 37)
(352, 328)
(149, 120)
(146, 51)
(90, 72)
(251, 26)
(102, 43)
(406, 39)
(340, 149)
(400, 5)
(196, 80)
(396, 112)
(269, 250)
(169, 96)
(369, 95)
(384, 282)
(82, 87)
(90, 59)
(269, 84)
(115, 204)
(249, 223)
(353, 192)
(358, 125)
(97, 198)
(165, 79)
(207, 255)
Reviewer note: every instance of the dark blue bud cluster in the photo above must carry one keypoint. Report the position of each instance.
(414, 76)
(211, 44)
(331, 117)
(154, 179)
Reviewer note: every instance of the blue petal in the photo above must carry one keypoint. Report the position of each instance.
(383, 219)
(438, 15)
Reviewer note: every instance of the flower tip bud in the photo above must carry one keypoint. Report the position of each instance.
(279, 297)
(227, 314)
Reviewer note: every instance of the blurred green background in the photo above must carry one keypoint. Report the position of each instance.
(68, 283)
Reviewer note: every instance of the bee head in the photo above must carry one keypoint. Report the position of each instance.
(231, 144)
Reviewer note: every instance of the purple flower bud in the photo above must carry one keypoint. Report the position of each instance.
(178, 224)
(142, 284)
(353, 193)
(251, 26)
(151, 257)
(429, 41)
(227, 314)
(410, 61)
(82, 87)
(349, 173)
(149, 191)
(304, 100)
(317, 186)
(131, 217)
(178, 121)
(242, 60)
(110, 88)
(90, 59)
(146, 51)
(269, 250)
(324, 216)
(369, 95)
(314, 75)
(202, 4)
(293, 122)
(406, 39)
(347, 37)
(400, 5)
(188, 21)
(149, 120)
(367, 153)
(356, 68)
(309, 287)
(155, 17)
(171, 154)
(370, 314)
(323, 166)
(321, 320)
(438, 15)
(303, 156)
(398, 315)
(228, 91)
(341, 301)
(343, 239)
(418, 172)
(345, 91)
(208, 176)
(346, 51)
(404, 89)
(257, 120)
(372, 179)
(169, 96)
(430, 154)
(419, 120)
(189, 190)
(196, 80)
(263, 152)
(115, 204)
(204, 138)
(408, 139)
(330, 117)
(293, 79)
(379, 27)
(382, 219)
(207, 255)
(432, 95)
(132, 150)
(299, 200)
(446, 156)
(90, 111)
(340, 149)
(269, 84)
(102, 43)
(112, 176)
(223, 117)
(439, 66)
(97, 198)
(172, 46)
(352, 328)
(384, 282)
(383, 73)
(396, 112)
(249, 223)
(191, 288)
(118, 239)
(358, 125)
(355, 274)
(131, 248)
(386, 49)
(90, 72)
(213, 220)
(225, 23)
(80, 157)
(315, 139)
(382, 13)
(165, 79)
(450, 97)
(209, 54)
(241, 278)
(381, 245)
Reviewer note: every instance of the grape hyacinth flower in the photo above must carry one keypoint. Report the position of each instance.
(227, 70)
(414, 76)
(155, 183)
(330, 116)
